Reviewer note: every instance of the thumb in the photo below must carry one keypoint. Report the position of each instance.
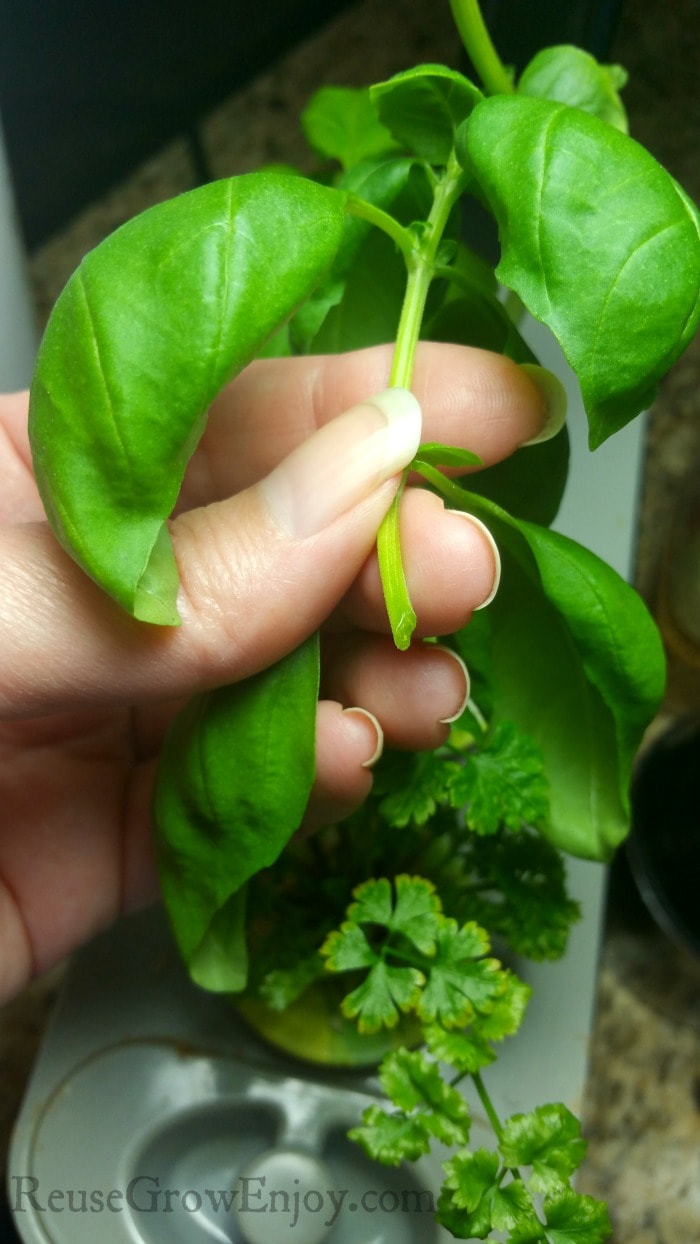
(258, 572)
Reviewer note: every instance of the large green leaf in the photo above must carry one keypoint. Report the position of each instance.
(577, 664)
(233, 783)
(423, 107)
(597, 240)
(147, 331)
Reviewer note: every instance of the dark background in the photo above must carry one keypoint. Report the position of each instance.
(90, 88)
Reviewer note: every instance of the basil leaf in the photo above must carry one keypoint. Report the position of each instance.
(576, 661)
(341, 123)
(597, 240)
(233, 782)
(147, 331)
(571, 76)
(422, 107)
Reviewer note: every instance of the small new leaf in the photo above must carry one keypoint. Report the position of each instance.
(423, 107)
(444, 455)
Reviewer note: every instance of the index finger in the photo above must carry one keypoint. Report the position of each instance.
(470, 398)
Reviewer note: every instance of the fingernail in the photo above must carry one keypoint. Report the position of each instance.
(447, 721)
(344, 462)
(471, 518)
(378, 735)
(553, 394)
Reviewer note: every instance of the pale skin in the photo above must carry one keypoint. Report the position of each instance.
(86, 693)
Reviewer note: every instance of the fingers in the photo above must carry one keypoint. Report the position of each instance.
(451, 563)
(263, 568)
(470, 398)
(415, 695)
(259, 572)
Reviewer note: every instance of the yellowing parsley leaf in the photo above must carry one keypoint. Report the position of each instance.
(503, 783)
(347, 949)
(417, 912)
(549, 1140)
(461, 982)
(373, 902)
(506, 1015)
(385, 992)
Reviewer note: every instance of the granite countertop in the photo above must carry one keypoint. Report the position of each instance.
(642, 1106)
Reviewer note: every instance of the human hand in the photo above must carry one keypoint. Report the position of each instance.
(269, 548)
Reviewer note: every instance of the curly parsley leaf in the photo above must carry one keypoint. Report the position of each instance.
(474, 1201)
(386, 992)
(461, 981)
(412, 787)
(347, 948)
(391, 1138)
(575, 1219)
(466, 1051)
(503, 783)
(549, 1140)
(412, 909)
(282, 986)
(520, 892)
(427, 1108)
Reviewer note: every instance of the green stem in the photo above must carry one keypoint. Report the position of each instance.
(488, 1105)
(421, 270)
(421, 264)
(402, 617)
(355, 206)
(482, 53)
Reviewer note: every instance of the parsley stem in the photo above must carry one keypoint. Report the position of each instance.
(475, 36)
(488, 1105)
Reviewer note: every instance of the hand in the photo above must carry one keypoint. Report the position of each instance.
(274, 538)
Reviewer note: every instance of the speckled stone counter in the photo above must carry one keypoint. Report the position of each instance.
(642, 1107)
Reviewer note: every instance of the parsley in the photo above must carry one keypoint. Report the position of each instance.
(407, 956)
